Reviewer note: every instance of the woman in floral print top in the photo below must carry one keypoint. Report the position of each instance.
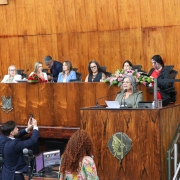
(77, 163)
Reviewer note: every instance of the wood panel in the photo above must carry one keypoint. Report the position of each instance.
(55, 104)
(26, 17)
(152, 13)
(151, 132)
(172, 13)
(104, 30)
(129, 14)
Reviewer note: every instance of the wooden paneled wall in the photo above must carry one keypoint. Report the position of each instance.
(109, 31)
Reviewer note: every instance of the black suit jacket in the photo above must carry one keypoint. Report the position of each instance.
(164, 74)
(56, 69)
(13, 154)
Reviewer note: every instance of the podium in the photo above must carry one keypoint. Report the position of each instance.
(151, 131)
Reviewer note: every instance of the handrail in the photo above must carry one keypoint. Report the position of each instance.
(176, 173)
(172, 159)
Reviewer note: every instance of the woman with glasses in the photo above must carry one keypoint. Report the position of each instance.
(12, 76)
(129, 96)
(38, 67)
(158, 71)
(96, 74)
(67, 74)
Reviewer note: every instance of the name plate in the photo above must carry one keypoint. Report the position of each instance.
(3, 2)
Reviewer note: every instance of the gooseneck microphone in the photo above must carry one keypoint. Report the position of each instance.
(97, 105)
(124, 97)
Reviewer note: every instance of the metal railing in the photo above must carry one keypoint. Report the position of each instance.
(173, 157)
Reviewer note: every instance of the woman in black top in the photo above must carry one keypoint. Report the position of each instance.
(95, 72)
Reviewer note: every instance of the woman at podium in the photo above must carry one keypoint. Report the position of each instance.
(129, 96)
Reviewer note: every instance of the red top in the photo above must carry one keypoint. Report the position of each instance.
(155, 74)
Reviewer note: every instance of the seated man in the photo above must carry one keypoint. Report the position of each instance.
(11, 148)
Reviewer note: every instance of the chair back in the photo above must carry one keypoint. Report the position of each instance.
(169, 67)
(171, 90)
(103, 68)
(20, 71)
(138, 67)
(79, 76)
(75, 69)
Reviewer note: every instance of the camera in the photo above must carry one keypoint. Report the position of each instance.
(31, 116)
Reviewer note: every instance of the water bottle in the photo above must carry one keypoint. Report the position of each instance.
(153, 104)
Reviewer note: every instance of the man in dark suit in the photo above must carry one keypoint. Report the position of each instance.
(11, 148)
(55, 68)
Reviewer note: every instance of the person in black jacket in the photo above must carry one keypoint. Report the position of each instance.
(158, 71)
(11, 149)
(55, 68)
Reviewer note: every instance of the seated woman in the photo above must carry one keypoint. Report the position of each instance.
(12, 75)
(38, 70)
(77, 160)
(130, 96)
(127, 65)
(158, 71)
(67, 74)
(95, 72)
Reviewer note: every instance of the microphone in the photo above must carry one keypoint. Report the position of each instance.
(27, 152)
(124, 96)
(97, 105)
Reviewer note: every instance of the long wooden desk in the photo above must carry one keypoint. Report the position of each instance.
(151, 131)
(54, 105)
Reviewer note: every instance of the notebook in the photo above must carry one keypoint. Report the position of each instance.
(112, 104)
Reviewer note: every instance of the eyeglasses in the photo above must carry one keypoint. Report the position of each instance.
(125, 82)
(93, 67)
(12, 70)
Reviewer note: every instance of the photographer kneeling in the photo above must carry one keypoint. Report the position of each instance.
(11, 148)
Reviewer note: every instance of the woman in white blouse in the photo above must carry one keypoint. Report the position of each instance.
(12, 76)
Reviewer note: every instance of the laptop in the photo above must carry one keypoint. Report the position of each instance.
(112, 104)
(47, 159)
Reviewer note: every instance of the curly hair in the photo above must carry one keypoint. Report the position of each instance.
(79, 145)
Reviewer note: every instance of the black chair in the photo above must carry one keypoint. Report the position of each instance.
(75, 69)
(78, 77)
(171, 90)
(103, 68)
(20, 71)
(169, 67)
(138, 67)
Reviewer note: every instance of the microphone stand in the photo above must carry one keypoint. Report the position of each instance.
(123, 98)
(30, 170)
